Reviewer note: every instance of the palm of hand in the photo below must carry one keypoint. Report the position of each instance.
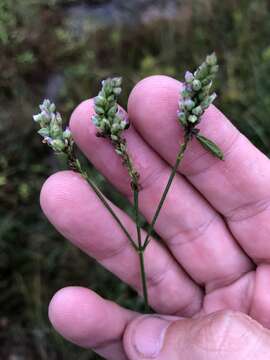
(214, 221)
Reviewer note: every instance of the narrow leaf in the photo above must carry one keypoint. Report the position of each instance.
(210, 146)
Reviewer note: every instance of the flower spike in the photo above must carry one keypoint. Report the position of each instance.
(51, 128)
(196, 97)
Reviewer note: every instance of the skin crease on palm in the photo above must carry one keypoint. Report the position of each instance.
(214, 224)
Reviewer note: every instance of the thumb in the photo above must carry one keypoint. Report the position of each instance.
(223, 335)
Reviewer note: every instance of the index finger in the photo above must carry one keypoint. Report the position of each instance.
(238, 187)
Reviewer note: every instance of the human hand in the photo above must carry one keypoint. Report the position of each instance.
(214, 224)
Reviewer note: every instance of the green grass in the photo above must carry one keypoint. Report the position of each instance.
(34, 260)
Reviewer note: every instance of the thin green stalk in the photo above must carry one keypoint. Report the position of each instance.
(143, 276)
(108, 207)
(140, 250)
(76, 165)
(180, 156)
(136, 208)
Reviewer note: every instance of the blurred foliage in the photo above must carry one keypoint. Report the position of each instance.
(45, 50)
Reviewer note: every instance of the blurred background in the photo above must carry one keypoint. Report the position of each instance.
(61, 49)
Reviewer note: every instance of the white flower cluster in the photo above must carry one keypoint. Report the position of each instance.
(196, 95)
(108, 118)
(51, 128)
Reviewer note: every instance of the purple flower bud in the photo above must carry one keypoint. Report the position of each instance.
(189, 88)
(123, 115)
(67, 134)
(188, 77)
(189, 104)
(47, 140)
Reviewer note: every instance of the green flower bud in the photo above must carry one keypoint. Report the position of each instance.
(197, 111)
(204, 93)
(44, 132)
(124, 125)
(122, 147)
(182, 118)
(117, 91)
(113, 110)
(99, 110)
(45, 116)
(111, 98)
(106, 122)
(192, 119)
(55, 129)
(58, 145)
(107, 87)
(202, 71)
(207, 81)
(58, 119)
(117, 82)
(211, 60)
(185, 94)
(38, 117)
(105, 126)
(214, 69)
(100, 101)
(52, 107)
(208, 101)
(45, 105)
(118, 152)
(196, 85)
(117, 119)
(115, 128)
(115, 138)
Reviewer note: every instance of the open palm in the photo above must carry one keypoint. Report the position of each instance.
(214, 223)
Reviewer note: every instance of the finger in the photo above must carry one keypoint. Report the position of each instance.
(238, 187)
(194, 232)
(87, 320)
(223, 335)
(76, 212)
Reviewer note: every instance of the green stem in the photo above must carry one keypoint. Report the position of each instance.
(76, 165)
(180, 156)
(143, 276)
(140, 250)
(136, 207)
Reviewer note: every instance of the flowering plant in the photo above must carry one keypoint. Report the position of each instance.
(110, 122)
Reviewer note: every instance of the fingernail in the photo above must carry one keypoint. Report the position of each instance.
(149, 336)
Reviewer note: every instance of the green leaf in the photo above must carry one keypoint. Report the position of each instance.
(210, 146)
